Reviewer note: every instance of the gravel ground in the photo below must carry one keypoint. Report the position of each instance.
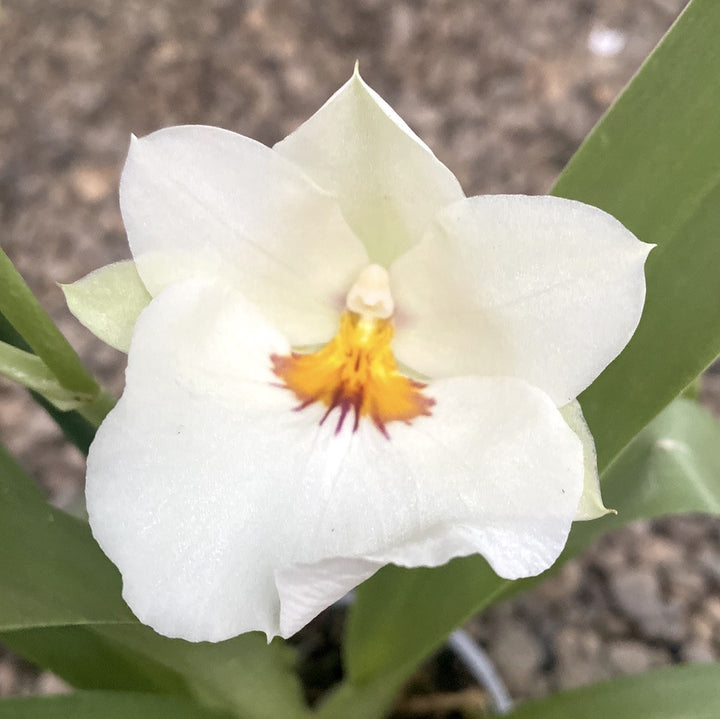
(502, 90)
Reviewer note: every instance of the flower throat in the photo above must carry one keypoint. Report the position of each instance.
(356, 371)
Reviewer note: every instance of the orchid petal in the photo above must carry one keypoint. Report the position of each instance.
(388, 182)
(200, 200)
(171, 498)
(305, 590)
(108, 302)
(542, 288)
(495, 470)
(227, 511)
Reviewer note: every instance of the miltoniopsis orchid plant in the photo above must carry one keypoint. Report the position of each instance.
(339, 361)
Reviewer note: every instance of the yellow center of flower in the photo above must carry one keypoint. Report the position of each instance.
(356, 371)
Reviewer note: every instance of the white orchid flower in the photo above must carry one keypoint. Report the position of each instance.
(341, 362)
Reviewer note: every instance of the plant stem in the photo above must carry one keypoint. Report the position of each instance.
(27, 316)
(96, 411)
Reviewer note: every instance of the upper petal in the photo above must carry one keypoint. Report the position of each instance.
(201, 200)
(542, 288)
(388, 182)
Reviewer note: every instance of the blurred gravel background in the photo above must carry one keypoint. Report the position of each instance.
(502, 90)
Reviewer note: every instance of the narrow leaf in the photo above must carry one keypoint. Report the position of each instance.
(244, 676)
(687, 692)
(24, 312)
(30, 371)
(51, 570)
(108, 705)
(73, 425)
(87, 660)
(652, 162)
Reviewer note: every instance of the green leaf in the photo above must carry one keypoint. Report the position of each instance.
(108, 302)
(672, 466)
(51, 570)
(24, 312)
(350, 701)
(653, 163)
(687, 692)
(73, 425)
(30, 371)
(245, 675)
(108, 705)
(88, 660)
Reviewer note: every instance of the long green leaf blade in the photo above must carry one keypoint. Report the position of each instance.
(87, 660)
(74, 426)
(654, 163)
(108, 705)
(24, 312)
(689, 692)
(51, 570)
(31, 372)
(244, 676)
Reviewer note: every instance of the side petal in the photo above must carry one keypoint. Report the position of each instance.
(591, 505)
(201, 200)
(388, 182)
(173, 498)
(108, 302)
(542, 288)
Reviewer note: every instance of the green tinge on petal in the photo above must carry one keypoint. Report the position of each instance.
(387, 181)
(108, 302)
(591, 505)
